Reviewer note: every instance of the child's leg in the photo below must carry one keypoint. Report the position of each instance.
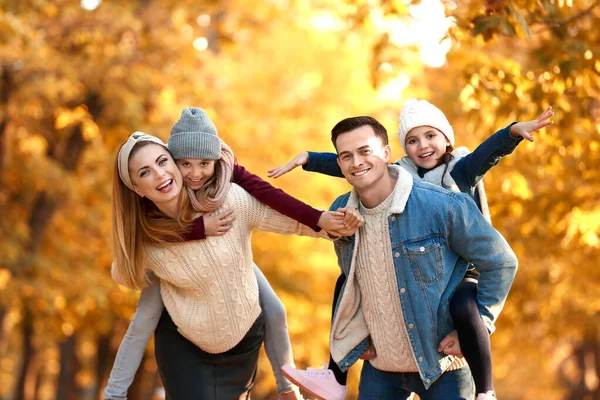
(473, 335)
(330, 383)
(132, 347)
(277, 339)
(340, 376)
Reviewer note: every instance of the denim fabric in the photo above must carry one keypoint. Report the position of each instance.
(382, 385)
(433, 239)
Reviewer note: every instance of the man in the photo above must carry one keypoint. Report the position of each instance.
(402, 268)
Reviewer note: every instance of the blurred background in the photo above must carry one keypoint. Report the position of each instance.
(77, 77)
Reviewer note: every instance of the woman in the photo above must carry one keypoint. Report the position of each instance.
(193, 123)
(210, 346)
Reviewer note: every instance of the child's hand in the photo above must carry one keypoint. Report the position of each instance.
(217, 225)
(331, 221)
(450, 345)
(297, 161)
(525, 129)
(370, 353)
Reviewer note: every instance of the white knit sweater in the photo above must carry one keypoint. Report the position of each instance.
(208, 286)
(380, 299)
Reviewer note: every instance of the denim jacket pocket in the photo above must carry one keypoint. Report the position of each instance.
(425, 258)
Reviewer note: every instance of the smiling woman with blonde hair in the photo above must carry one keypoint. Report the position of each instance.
(209, 335)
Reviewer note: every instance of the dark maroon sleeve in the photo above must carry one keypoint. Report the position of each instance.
(196, 231)
(275, 198)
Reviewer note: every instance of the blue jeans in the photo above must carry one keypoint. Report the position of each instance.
(382, 385)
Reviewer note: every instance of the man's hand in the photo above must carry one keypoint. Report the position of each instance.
(342, 222)
(217, 225)
(297, 161)
(370, 353)
(525, 129)
(450, 345)
(352, 218)
(352, 221)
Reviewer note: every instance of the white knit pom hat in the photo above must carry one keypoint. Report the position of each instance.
(422, 113)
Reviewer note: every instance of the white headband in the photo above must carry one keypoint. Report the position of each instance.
(125, 151)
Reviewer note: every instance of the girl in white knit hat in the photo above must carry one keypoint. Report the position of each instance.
(205, 277)
(428, 140)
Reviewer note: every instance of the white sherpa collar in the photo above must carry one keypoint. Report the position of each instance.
(400, 193)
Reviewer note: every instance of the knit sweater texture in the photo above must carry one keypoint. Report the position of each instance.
(381, 306)
(208, 286)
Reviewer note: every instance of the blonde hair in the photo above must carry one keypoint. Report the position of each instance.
(137, 224)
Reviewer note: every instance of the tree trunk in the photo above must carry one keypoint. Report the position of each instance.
(27, 352)
(41, 215)
(213, 32)
(6, 87)
(41, 372)
(143, 384)
(69, 366)
(587, 362)
(104, 357)
(4, 328)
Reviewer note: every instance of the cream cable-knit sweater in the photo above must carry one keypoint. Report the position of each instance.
(208, 286)
(381, 306)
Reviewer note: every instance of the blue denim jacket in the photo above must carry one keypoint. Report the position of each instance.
(434, 234)
(467, 172)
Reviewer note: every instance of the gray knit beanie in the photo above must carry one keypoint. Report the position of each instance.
(194, 136)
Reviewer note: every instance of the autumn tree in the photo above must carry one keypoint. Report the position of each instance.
(76, 78)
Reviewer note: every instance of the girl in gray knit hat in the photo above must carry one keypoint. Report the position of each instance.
(208, 166)
(428, 140)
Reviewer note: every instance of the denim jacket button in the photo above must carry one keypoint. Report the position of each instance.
(421, 249)
(402, 290)
(396, 254)
(410, 326)
(420, 359)
(393, 218)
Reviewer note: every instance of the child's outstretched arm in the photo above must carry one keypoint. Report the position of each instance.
(287, 205)
(131, 350)
(324, 163)
(474, 166)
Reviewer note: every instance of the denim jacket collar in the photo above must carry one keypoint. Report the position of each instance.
(401, 190)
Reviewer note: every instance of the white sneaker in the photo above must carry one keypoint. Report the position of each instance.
(317, 382)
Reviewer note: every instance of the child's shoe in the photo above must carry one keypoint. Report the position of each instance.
(317, 382)
(489, 395)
